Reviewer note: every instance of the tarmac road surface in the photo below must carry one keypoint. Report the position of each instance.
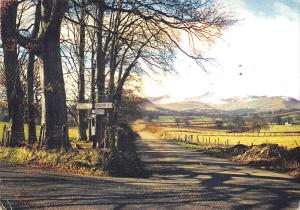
(181, 179)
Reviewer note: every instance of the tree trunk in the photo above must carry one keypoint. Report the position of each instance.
(81, 82)
(100, 120)
(30, 81)
(30, 100)
(93, 92)
(12, 74)
(54, 109)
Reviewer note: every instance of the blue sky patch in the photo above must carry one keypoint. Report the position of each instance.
(267, 7)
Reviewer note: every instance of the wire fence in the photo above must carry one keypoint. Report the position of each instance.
(225, 140)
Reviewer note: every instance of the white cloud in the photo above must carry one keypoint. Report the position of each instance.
(268, 49)
(284, 10)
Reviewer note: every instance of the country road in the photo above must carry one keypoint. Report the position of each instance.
(181, 179)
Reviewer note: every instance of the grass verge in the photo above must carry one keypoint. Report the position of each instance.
(79, 161)
(264, 156)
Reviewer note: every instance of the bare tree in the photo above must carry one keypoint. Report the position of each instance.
(30, 80)
(258, 123)
(138, 33)
(75, 45)
(47, 47)
(12, 74)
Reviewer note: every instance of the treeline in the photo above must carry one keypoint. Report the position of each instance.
(56, 53)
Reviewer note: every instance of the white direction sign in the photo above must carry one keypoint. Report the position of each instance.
(84, 106)
(104, 105)
(99, 111)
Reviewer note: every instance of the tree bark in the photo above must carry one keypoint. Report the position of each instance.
(12, 74)
(30, 81)
(93, 91)
(81, 82)
(54, 109)
(30, 100)
(100, 81)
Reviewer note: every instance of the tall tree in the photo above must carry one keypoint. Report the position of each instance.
(81, 80)
(12, 74)
(47, 47)
(30, 80)
(103, 41)
(147, 33)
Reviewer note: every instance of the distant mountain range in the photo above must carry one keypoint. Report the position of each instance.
(259, 104)
(249, 104)
(183, 106)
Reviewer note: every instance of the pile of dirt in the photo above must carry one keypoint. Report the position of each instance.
(263, 152)
(237, 150)
(267, 156)
(295, 154)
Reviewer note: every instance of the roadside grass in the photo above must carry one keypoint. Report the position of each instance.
(83, 161)
(286, 162)
(80, 160)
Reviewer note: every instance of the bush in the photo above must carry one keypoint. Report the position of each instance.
(125, 161)
(153, 128)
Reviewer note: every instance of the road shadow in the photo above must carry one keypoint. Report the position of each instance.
(180, 179)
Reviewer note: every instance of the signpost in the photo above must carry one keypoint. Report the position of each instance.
(99, 109)
(84, 106)
(105, 105)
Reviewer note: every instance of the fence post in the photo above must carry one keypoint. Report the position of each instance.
(3, 135)
(40, 140)
(7, 137)
(64, 135)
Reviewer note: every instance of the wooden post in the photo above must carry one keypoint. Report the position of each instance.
(41, 137)
(7, 137)
(3, 135)
(64, 146)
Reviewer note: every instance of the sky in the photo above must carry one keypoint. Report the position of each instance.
(259, 55)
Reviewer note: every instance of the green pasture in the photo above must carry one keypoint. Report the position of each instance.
(277, 134)
(73, 133)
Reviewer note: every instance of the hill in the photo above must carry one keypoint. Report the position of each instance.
(184, 106)
(147, 105)
(258, 104)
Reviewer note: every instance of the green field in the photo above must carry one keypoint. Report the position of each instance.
(217, 139)
(73, 134)
(288, 136)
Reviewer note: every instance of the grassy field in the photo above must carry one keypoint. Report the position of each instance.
(277, 134)
(73, 133)
(80, 161)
